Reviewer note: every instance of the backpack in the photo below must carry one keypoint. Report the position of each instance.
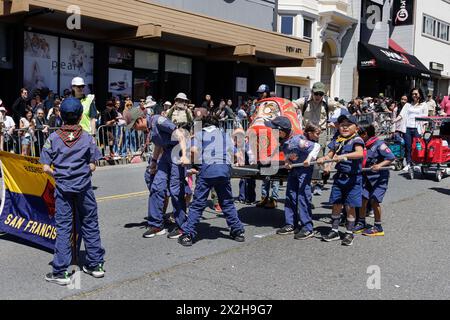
(324, 104)
(180, 116)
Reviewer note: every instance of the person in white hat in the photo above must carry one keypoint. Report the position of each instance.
(7, 129)
(180, 114)
(149, 105)
(166, 107)
(89, 118)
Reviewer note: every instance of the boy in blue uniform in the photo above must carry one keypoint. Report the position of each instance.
(165, 169)
(348, 150)
(298, 149)
(375, 182)
(213, 152)
(73, 153)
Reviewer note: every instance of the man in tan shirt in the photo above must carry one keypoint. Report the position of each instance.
(316, 110)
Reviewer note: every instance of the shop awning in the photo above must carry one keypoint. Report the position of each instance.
(141, 19)
(372, 57)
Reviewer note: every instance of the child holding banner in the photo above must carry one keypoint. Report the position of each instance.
(73, 153)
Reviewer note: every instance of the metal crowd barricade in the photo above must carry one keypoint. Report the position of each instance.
(125, 142)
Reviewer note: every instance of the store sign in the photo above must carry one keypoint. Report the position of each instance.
(40, 61)
(436, 66)
(290, 49)
(369, 63)
(403, 12)
(396, 57)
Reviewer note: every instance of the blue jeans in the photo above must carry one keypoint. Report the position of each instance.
(409, 135)
(86, 211)
(266, 189)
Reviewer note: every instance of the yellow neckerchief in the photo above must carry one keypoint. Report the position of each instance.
(342, 141)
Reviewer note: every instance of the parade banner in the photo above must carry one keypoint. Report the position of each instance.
(28, 204)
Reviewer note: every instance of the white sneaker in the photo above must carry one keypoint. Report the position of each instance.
(406, 168)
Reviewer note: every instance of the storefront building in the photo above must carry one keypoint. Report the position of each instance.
(137, 48)
(416, 45)
(331, 27)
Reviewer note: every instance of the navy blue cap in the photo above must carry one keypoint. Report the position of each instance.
(280, 123)
(71, 105)
(263, 88)
(349, 118)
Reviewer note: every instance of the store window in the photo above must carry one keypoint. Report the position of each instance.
(287, 25)
(76, 60)
(6, 45)
(177, 76)
(307, 29)
(145, 74)
(288, 92)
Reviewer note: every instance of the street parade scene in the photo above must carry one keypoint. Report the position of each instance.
(182, 150)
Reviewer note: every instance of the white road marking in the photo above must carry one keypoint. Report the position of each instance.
(260, 236)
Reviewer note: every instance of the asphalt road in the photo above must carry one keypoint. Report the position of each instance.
(413, 258)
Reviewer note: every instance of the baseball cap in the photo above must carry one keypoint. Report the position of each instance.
(3, 109)
(71, 105)
(1, 102)
(349, 118)
(78, 81)
(280, 123)
(318, 87)
(263, 88)
(132, 115)
(167, 103)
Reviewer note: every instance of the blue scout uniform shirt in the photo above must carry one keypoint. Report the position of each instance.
(297, 149)
(377, 152)
(161, 130)
(71, 165)
(216, 149)
(349, 166)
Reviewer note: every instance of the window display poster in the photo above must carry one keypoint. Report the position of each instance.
(76, 60)
(145, 83)
(120, 82)
(40, 61)
(121, 56)
(146, 60)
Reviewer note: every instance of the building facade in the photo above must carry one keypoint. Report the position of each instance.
(333, 29)
(142, 47)
(404, 44)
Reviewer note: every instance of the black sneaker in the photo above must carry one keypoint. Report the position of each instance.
(175, 233)
(185, 240)
(153, 232)
(238, 235)
(97, 272)
(287, 229)
(331, 236)
(348, 239)
(303, 235)
(62, 279)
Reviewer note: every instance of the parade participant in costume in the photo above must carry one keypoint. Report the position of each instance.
(299, 149)
(73, 153)
(375, 182)
(166, 168)
(213, 152)
(348, 150)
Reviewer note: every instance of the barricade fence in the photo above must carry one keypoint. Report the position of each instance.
(118, 141)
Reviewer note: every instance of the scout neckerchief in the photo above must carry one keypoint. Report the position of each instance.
(342, 142)
(70, 134)
(370, 142)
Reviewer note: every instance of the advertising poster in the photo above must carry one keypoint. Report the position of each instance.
(76, 60)
(403, 12)
(40, 61)
(120, 82)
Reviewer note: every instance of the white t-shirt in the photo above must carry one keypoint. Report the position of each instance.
(9, 123)
(410, 113)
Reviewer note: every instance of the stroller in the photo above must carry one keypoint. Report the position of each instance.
(397, 146)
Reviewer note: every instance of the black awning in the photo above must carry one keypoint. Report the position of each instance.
(371, 57)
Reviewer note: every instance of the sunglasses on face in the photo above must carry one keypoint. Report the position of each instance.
(319, 94)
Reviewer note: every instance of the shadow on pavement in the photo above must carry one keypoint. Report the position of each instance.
(207, 232)
(260, 217)
(24, 242)
(441, 190)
